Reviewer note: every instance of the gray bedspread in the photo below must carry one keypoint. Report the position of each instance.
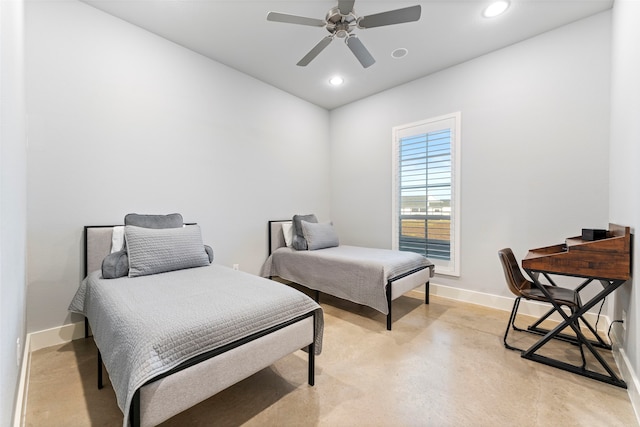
(354, 273)
(147, 325)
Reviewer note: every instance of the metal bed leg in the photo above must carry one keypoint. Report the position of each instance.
(100, 385)
(312, 354)
(134, 410)
(426, 293)
(86, 327)
(388, 290)
(389, 306)
(312, 367)
(317, 296)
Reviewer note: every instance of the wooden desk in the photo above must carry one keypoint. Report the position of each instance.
(608, 261)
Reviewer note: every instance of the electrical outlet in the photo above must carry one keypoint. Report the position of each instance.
(18, 351)
(236, 266)
(624, 320)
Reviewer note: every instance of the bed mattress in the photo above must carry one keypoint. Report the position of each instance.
(145, 326)
(353, 273)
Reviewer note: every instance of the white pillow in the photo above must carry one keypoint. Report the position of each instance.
(287, 232)
(117, 239)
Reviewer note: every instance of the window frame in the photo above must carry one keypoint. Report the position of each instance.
(451, 267)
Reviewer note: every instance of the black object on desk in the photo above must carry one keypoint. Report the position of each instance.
(591, 234)
(606, 260)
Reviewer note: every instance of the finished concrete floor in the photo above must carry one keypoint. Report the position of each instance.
(442, 365)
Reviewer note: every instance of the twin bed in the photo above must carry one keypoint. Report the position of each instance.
(172, 339)
(172, 328)
(367, 276)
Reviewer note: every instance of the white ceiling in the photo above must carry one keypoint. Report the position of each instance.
(237, 34)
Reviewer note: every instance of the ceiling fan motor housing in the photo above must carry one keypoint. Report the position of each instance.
(340, 25)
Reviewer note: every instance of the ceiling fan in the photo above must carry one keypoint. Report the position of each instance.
(341, 21)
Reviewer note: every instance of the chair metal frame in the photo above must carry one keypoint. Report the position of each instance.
(513, 274)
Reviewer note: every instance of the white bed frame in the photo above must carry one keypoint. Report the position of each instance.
(203, 376)
(396, 286)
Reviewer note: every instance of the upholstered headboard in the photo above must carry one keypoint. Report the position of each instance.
(97, 245)
(276, 238)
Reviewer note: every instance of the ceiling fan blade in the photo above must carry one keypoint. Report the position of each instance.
(360, 51)
(294, 19)
(315, 51)
(398, 16)
(345, 6)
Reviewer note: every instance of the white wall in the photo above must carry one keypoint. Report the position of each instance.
(535, 130)
(13, 201)
(123, 121)
(624, 164)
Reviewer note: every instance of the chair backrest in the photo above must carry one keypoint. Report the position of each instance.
(512, 273)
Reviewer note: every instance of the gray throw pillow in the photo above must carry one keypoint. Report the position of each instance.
(115, 265)
(154, 221)
(298, 242)
(319, 236)
(209, 251)
(153, 251)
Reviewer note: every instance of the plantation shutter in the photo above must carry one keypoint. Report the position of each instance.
(425, 193)
(426, 190)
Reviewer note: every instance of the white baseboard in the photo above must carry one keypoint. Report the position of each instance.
(626, 371)
(531, 308)
(35, 341)
(56, 336)
(630, 377)
(23, 385)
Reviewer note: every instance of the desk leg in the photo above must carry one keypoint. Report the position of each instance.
(573, 322)
(599, 342)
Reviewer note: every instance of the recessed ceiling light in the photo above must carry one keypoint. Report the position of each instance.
(399, 53)
(336, 81)
(496, 8)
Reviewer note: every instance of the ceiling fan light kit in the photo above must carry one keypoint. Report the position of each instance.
(341, 21)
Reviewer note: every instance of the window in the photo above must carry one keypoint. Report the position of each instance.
(426, 190)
